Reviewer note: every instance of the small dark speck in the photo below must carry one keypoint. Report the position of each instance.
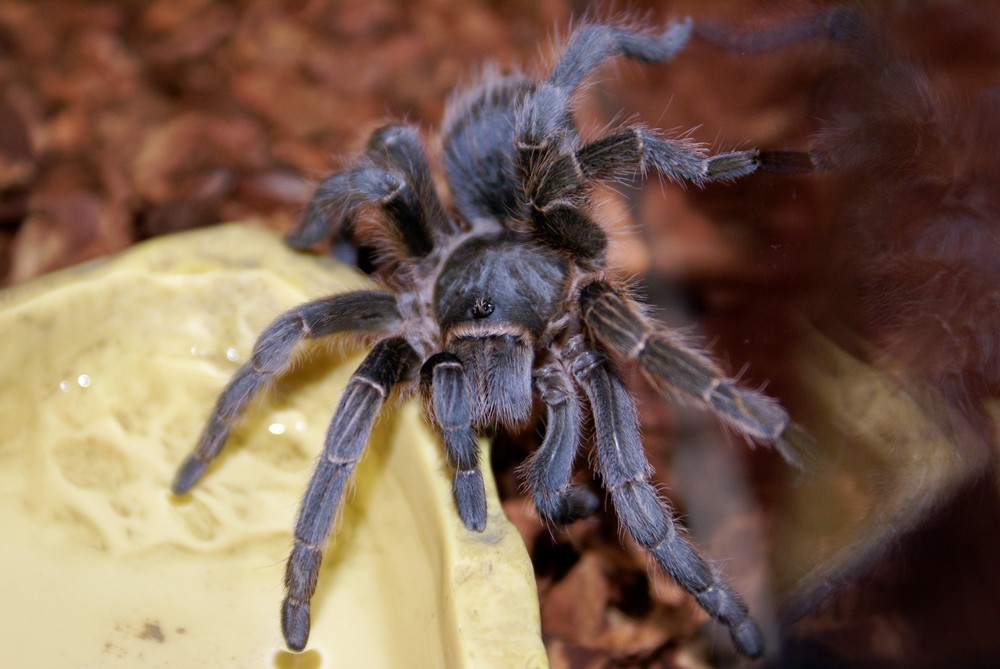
(152, 632)
(181, 630)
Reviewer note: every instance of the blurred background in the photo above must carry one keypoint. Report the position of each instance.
(864, 295)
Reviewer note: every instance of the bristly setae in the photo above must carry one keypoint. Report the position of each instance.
(501, 299)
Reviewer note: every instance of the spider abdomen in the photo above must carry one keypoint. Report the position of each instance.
(479, 147)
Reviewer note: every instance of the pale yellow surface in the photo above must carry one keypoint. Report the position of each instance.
(108, 373)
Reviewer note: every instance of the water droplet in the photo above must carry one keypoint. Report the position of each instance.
(232, 354)
(63, 386)
(83, 381)
(276, 428)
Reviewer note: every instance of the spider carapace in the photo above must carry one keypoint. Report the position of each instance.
(502, 299)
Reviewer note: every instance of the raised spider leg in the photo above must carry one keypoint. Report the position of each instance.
(394, 175)
(647, 517)
(390, 361)
(556, 171)
(362, 311)
(451, 398)
(550, 469)
(619, 324)
(556, 186)
(545, 117)
(841, 24)
(635, 150)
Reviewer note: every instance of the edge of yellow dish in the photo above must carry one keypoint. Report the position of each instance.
(108, 373)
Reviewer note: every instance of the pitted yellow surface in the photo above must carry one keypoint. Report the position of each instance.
(108, 373)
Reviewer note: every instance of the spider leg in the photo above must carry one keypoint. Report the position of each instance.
(633, 150)
(557, 185)
(545, 116)
(545, 136)
(390, 361)
(362, 311)
(394, 175)
(398, 147)
(549, 470)
(618, 323)
(644, 514)
(840, 24)
(451, 399)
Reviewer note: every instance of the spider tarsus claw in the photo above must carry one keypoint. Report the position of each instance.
(295, 623)
(580, 503)
(787, 162)
(189, 474)
(568, 506)
(798, 448)
(470, 498)
(748, 638)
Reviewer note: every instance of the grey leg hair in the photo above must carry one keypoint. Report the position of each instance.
(398, 147)
(363, 311)
(556, 172)
(634, 150)
(390, 361)
(644, 514)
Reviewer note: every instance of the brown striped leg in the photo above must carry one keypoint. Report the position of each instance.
(619, 324)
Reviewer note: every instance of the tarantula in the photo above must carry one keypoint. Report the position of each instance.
(504, 298)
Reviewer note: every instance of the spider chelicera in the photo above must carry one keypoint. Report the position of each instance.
(504, 298)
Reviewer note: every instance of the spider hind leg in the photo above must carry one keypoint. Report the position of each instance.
(643, 513)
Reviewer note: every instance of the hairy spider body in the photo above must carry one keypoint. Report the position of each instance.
(502, 300)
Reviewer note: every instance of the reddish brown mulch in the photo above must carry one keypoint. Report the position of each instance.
(123, 121)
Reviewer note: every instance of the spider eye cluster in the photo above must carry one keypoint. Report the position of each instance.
(500, 281)
(482, 308)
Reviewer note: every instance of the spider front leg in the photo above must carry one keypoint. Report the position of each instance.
(362, 311)
(550, 469)
(390, 361)
(619, 324)
(648, 518)
(450, 395)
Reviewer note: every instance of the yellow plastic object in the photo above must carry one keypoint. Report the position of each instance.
(108, 373)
